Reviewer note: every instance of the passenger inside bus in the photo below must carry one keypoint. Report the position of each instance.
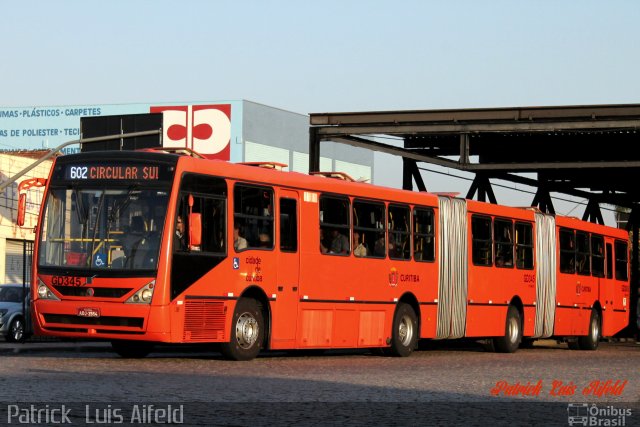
(324, 241)
(339, 242)
(359, 248)
(379, 247)
(239, 242)
(265, 240)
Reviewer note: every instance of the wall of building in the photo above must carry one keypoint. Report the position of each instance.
(283, 136)
(10, 233)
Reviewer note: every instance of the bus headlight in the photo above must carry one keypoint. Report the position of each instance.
(45, 293)
(143, 296)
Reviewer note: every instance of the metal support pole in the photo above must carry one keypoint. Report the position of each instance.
(314, 150)
(464, 149)
(410, 172)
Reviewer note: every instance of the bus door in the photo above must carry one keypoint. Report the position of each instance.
(607, 291)
(285, 313)
(585, 291)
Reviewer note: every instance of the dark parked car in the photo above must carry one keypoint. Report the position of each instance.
(15, 322)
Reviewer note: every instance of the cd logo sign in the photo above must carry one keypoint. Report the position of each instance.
(205, 129)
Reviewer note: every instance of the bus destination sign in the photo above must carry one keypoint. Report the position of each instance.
(113, 172)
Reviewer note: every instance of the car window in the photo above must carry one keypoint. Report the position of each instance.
(11, 294)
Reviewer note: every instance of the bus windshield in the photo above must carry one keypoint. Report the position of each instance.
(102, 228)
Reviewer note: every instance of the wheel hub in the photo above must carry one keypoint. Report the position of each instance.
(405, 331)
(246, 330)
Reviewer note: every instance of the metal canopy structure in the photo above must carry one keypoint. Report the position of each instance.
(587, 151)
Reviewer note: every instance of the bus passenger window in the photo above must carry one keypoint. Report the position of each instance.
(622, 266)
(212, 215)
(503, 243)
(583, 264)
(399, 232)
(423, 235)
(288, 226)
(253, 215)
(368, 222)
(482, 242)
(524, 246)
(609, 261)
(597, 255)
(334, 225)
(567, 251)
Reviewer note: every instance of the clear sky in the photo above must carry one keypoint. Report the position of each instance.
(322, 56)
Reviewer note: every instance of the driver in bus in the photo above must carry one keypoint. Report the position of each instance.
(180, 243)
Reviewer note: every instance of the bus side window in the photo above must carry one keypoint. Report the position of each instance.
(567, 251)
(482, 241)
(399, 232)
(524, 246)
(212, 224)
(583, 261)
(334, 225)
(503, 243)
(253, 215)
(597, 255)
(288, 226)
(423, 235)
(369, 224)
(622, 266)
(609, 261)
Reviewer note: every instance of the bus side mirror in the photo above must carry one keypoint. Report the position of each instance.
(22, 209)
(195, 230)
(23, 187)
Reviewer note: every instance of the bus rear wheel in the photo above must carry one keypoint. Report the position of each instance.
(510, 342)
(132, 349)
(247, 331)
(404, 334)
(590, 342)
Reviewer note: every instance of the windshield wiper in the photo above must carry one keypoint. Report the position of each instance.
(82, 213)
(118, 207)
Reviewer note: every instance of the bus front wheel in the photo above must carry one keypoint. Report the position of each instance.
(247, 331)
(405, 331)
(510, 342)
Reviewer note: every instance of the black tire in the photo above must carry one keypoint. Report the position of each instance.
(404, 332)
(510, 342)
(16, 330)
(132, 349)
(590, 342)
(247, 331)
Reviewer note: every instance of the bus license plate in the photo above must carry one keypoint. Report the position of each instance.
(88, 312)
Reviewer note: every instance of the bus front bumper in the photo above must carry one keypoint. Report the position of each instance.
(84, 319)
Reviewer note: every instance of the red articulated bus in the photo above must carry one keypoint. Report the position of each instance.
(146, 247)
